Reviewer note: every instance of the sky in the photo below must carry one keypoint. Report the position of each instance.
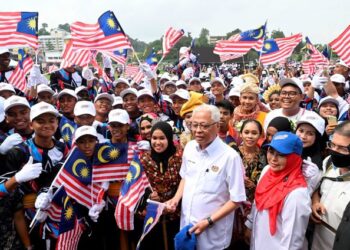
(147, 20)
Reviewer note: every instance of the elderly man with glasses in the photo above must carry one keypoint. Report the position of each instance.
(212, 184)
(331, 199)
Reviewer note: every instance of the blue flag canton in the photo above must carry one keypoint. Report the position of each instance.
(150, 218)
(109, 24)
(22, 55)
(134, 174)
(28, 23)
(308, 44)
(122, 52)
(152, 58)
(270, 46)
(253, 35)
(79, 167)
(67, 128)
(107, 153)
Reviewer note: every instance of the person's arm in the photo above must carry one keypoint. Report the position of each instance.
(223, 211)
(173, 202)
(21, 228)
(318, 209)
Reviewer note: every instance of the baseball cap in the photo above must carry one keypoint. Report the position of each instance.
(342, 63)
(104, 95)
(2, 112)
(84, 130)
(182, 93)
(286, 143)
(4, 50)
(234, 92)
(15, 100)
(167, 99)
(328, 99)
(80, 88)
(293, 81)
(206, 85)
(180, 83)
(174, 78)
(219, 80)
(165, 76)
(84, 108)
(194, 79)
(121, 80)
(314, 120)
(119, 115)
(44, 88)
(169, 83)
(143, 92)
(338, 78)
(237, 81)
(117, 100)
(7, 86)
(185, 240)
(42, 108)
(67, 92)
(128, 91)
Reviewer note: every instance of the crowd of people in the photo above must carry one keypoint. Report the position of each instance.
(242, 159)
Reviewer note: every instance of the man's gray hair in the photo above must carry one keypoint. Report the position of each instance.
(343, 129)
(214, 111)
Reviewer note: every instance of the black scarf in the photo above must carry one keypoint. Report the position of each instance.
(162, 159)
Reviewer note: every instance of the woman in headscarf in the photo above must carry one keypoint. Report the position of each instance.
(281, 211)
(277, 124)
(162, 167)
(145, 125)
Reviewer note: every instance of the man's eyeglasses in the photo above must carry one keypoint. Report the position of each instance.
(289, 93)
(201, 126)
(340, 149)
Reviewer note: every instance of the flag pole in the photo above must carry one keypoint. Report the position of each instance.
(261, 49)
(160, 61)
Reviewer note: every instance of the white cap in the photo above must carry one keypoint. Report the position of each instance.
(15, 100)
(293, 81)
(84, 130)
(143, 92)
(80, 88)
(42, 108)
(169, 83)
(4, 50)
(104, 95)
(182, 93)
(6, 86)
(342, 63)
(44, 88)
(117, 100)
(84, 108)
(121, 80)
(202, 75)
(219, 80)
(2, 112)
(206, 85)
(180, 82)
(234, 92)
(174, 78)
(314, 120)
(194, 79)
(128, 91)
(338, 78)
(119, 115)
(165, 76)
(67, 92)
(167, 99)
(237, 82)
(328, 99)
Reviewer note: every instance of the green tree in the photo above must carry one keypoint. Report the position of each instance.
(65, 27)
(277, 34)
(234, 32)
(49, 46)
(42, 31)
(202, 40)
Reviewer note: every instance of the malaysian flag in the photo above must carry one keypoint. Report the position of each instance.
(110, 162)
(119, 56)
(241, 43)
(70, 240)
(308, 67)
(224, 58)
(341, 45)
(73, 56)
(131, 191)
(18, 76)
(76, 177)
(154, 211)
(106, 35)
(18, 29)
(151, 59)
(276, 50)
(131, 70)
(171, 37)
(52, 68)
(315, 55)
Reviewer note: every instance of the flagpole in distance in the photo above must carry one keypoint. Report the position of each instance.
(263, 42)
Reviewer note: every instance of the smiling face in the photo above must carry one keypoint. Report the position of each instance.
(67, 103)
(86, 144)
(120, 87)
(146, 104)
(250, 134)
(248, 101)
(274, 101)
(159, 142)
(276, 160)
(130, 103)
(145, 130)
(217, 88)
(18, 117)
(307, 134)
(119, 132)
(177, 104)
(45, 125)
(103, 106)
(328, 109)
(290, 97)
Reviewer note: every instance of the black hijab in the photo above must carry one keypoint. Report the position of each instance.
(281, 123)
(161, 159)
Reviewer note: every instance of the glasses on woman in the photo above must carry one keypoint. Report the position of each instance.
(340, 149)
(201, 126)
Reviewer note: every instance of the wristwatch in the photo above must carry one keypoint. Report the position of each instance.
(210, 221)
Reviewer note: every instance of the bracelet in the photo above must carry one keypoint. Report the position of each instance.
(210, 221)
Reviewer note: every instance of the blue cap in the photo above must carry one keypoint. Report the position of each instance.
(184, 240)
(286, 143)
